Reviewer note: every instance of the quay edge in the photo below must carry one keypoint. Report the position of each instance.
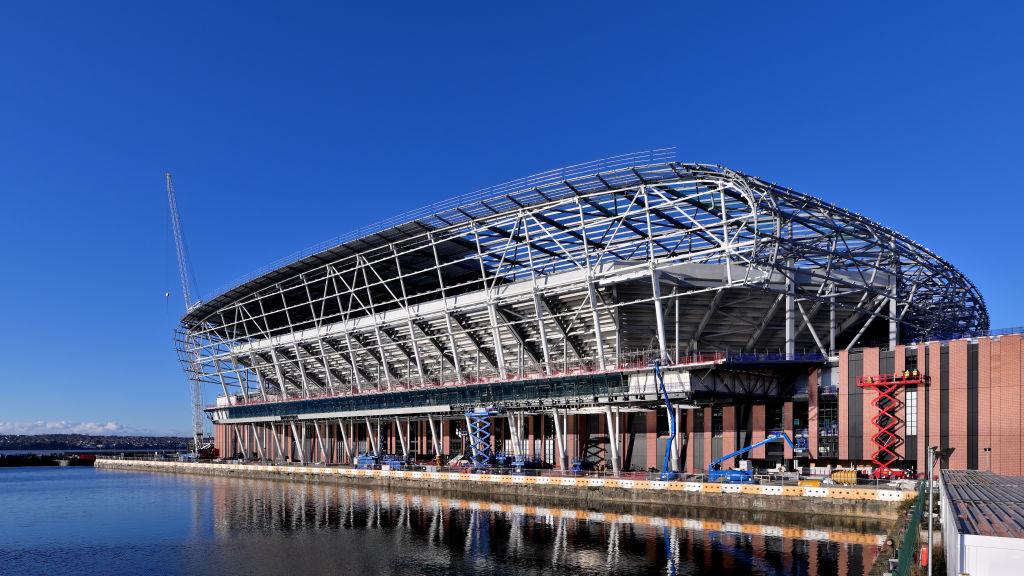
(583, 492)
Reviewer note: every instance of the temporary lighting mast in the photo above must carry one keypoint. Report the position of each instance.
(195, 392)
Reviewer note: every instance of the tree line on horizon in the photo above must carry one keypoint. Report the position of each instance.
(86, 441)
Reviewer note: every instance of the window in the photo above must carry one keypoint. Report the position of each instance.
(911, 412)
(828, 427)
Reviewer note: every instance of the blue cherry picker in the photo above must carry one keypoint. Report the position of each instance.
(716, 474)
(666, 470)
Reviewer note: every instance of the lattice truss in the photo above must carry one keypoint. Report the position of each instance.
(585, 273)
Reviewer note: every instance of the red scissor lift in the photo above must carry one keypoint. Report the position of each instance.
(887, 421)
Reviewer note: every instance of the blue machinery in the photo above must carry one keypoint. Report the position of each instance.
(366, 461)
(666, 470)
(716, 474)
(479, 426)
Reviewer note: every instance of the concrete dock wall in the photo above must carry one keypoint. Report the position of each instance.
(582, 492)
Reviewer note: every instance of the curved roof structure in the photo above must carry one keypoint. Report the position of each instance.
(587, 267)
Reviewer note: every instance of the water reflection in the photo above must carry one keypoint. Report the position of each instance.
(267, 526)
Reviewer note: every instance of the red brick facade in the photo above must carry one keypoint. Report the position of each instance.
(971, 402)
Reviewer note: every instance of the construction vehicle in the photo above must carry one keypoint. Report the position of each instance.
(746, 476)
(393, 461)
(203, 451)
(188, 363)
(579, 466)
(367, 461)
(520, 464)
(887, 473)
(666, 470)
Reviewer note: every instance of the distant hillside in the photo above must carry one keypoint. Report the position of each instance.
(84, 442)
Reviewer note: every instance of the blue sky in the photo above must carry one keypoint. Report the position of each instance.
(290, 123)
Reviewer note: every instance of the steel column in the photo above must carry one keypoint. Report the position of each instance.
(613, 439)
(344, 441)
(659, 314)
(298, 442)
(434, 436)
(259, 446)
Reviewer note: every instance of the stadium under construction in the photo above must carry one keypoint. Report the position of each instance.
(527, 324)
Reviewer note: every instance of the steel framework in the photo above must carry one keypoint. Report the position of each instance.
(592, 268)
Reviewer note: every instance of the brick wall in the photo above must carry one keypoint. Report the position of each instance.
(1006, 450)
(728, 432)
(984, 403)
(844, 405)
(759, 431)
(812, 413)
(934, 394)
(871, 368)
(957, 416)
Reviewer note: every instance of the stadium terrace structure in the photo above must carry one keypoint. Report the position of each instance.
(544, 302)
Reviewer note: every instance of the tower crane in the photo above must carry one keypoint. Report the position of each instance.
(195, 391)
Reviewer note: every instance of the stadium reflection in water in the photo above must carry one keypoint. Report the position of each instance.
(266, 527)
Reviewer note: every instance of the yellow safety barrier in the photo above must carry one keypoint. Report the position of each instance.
(806, 489)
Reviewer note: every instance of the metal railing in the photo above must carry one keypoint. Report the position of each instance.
(627, 361)
(906, 553)
(979, 334)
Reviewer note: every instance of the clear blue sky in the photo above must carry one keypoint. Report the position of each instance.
(290, 124)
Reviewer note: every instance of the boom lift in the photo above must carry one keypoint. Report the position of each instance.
(667, 473)
(716, 474)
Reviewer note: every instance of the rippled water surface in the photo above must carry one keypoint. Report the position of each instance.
(86, 521)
